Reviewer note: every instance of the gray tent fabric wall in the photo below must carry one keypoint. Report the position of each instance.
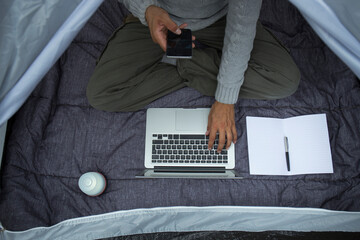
(337, 24)
(2, 140)
(344, 10)
(19, 71)
(191, 219)
(34, 35)
(22, 28)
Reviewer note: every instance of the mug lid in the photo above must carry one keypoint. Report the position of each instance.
(87, 182)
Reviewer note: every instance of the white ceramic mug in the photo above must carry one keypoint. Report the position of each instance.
(92, 183)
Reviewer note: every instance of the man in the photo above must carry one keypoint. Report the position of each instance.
(237, 58)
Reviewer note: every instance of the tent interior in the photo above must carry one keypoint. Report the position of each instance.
(50, 136)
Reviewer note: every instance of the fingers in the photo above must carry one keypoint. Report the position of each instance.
(159, 23)
(221, 140)
(229, 138)
(161, 40)
(212, 136)
(182, 26)
(234, 133)
(221, 120)
(208, 132)
(208, 127)
(170, 25)
(224, 140)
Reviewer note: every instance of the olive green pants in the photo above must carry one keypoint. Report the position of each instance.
(129, 73)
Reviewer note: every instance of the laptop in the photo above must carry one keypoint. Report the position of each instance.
(176, 146)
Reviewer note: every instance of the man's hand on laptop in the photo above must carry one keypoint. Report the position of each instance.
(221, 120)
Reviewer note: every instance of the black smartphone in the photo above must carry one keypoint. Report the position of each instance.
(179, 46)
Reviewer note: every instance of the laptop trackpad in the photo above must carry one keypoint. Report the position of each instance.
(189, 120)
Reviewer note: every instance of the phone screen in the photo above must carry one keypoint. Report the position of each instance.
(179, 46)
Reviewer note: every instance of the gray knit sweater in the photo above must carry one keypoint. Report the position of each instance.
(240, 32)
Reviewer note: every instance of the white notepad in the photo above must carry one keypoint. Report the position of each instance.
(308, 139)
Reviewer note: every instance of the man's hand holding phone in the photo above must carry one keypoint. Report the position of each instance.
(159, 23)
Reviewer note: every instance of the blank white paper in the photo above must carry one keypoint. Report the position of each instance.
(309, 146)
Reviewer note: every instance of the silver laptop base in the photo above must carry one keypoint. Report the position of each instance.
(189, 172)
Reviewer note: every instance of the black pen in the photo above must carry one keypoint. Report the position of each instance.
(287, 153)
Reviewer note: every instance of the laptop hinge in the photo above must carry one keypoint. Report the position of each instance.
(189, 169)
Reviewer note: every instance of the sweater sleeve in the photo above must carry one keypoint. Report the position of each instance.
(238, 42)
(138, 7)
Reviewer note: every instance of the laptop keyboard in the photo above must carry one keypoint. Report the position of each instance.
(186, 148)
